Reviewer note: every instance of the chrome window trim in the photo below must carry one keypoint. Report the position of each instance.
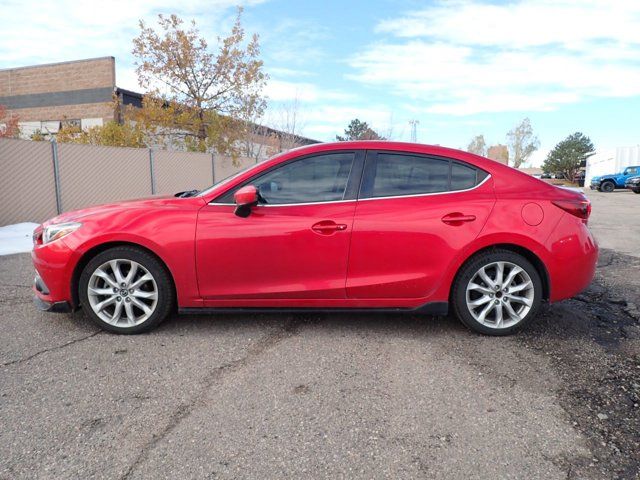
(430, 193)
(291, 204)
(365, 199)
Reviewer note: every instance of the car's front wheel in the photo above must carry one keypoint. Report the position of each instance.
(497, 292)
(636, 190)
(126, 290)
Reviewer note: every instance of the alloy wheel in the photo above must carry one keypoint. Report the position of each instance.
(122, 293)
(500, 294)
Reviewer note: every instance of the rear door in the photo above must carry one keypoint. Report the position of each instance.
(414, 213)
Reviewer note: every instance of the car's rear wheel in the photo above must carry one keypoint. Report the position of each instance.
(497, 293)
(607, 187)
(636, 190)
(126, 290)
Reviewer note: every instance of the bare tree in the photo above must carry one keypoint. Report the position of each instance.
(478, 146)
(289, 123)
(522, 142)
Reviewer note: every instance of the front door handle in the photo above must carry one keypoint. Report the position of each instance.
(327, 227)
(457, 218)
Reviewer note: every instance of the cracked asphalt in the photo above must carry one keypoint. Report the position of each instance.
(330, 395)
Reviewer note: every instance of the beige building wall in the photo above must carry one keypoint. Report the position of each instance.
(68, 90)
(103, 111)
(499, 153)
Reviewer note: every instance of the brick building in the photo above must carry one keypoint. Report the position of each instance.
(43, 96)
(80, 93)
(499, 153)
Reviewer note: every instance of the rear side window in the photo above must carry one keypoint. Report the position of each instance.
(408, 175)
(397, 174)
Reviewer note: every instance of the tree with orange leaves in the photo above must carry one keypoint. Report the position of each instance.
(197, 97)
(8, 124)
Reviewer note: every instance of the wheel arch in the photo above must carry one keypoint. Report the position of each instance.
(525, 252)
(97, 249)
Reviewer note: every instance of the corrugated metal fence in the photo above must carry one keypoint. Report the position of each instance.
(38, 180)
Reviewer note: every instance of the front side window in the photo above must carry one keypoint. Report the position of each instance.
(321, 178)
(631, 171)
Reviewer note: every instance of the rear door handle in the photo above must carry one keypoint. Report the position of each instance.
(457, 218)
(327, 227)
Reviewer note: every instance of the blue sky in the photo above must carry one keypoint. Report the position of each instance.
(459, 67)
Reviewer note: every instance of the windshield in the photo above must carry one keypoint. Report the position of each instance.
(224, 181)
(237, 174)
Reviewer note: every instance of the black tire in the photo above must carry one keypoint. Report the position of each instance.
(607, 187)
(469, 270)
(161, 276)
(636, 190)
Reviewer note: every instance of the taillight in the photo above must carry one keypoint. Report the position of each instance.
(578, 208)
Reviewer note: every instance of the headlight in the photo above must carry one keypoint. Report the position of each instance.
(59, 230)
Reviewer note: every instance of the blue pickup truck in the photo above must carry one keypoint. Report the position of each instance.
(608, 183)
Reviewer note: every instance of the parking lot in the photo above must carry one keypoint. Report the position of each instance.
(331, 395)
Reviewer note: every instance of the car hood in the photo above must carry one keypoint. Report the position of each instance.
(168, 201)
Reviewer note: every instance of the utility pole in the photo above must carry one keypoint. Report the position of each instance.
(414, 135)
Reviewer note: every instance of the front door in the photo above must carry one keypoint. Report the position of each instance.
(293, 245)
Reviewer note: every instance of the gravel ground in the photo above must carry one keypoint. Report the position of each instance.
(329, 395)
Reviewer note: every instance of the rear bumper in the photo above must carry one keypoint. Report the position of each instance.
(574, 256)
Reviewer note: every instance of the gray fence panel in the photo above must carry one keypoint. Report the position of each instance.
(91, 175)
(27, 189)
(179, 171)
(226, 166)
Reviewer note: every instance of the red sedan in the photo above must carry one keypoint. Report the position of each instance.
(335, 226)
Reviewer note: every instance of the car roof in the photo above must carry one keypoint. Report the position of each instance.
(408, 147)
(506, 179)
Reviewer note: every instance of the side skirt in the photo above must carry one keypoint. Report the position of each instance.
(436, 309)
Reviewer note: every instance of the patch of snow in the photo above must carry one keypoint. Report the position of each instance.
(16, 238)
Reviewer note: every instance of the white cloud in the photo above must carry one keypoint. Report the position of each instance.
(48, 31)
(327, 120)
(281, 90)
(465, 57)
(523, 24)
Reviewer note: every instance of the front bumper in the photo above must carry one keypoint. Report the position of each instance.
(54, 264)
(56, 307)
(594, 186)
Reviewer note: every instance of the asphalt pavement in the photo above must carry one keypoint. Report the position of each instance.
(328, 395)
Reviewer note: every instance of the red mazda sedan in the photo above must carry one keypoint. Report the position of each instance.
(335, 226)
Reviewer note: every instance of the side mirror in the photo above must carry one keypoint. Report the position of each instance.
(245, 198)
